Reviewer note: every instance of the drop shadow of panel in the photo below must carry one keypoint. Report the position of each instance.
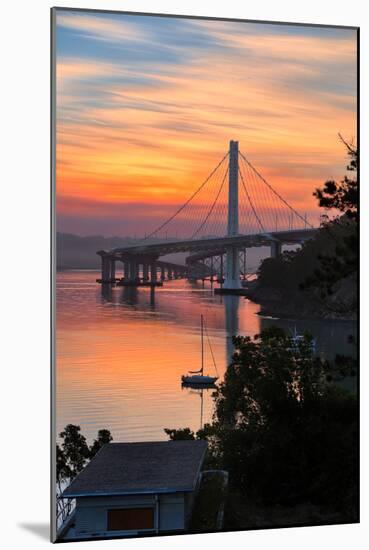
(41, 530)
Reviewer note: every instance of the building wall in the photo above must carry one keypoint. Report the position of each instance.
(171, 512)
(91, 513)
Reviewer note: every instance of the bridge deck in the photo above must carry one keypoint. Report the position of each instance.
(210, 244)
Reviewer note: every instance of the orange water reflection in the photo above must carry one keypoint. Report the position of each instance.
(120, 356)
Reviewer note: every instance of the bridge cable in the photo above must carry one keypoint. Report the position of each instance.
(251, 203)
(212, 206)
(253, 187)
(275, 192)
(219, 215)
(274, 198)
(268, 219)
(188, 200)
(246, 217)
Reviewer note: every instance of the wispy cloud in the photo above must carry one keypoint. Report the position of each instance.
(99, 27)
(146, 105)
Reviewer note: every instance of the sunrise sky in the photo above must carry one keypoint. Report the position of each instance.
(146, 107)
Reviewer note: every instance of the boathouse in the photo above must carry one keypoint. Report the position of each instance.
(131, 489)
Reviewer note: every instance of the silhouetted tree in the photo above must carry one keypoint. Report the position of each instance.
(75, 449)
(285, 432)
(103, 437)
(342, 196)
(179, 435)
(343, 263)
(63, 471)
(71, 457)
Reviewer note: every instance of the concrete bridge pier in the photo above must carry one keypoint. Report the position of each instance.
(153, 272)
(212, 269)
(145, 271)
(275, 249)
(232, 279)
(105, 269)
(112, 270)
(162, 273)
(132, 270)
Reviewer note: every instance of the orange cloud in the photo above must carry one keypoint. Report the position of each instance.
(124, 139)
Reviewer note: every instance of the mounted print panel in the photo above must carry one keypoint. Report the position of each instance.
(205, 260)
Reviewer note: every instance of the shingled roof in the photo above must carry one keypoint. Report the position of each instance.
(140, 468)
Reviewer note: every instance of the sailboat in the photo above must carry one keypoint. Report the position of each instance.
(197, 377)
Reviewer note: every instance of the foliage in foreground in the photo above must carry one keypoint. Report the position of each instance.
(73, 454)
(343, 195)
(283, 427)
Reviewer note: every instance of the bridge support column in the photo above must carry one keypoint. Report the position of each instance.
(132, 271)
(232, 279)
(112, 269)
(105, 269)
(153, 272)
(145, 271)
(162, 273)
(136, 270)
(275, 249)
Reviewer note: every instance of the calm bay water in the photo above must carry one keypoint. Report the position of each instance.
(121, 352)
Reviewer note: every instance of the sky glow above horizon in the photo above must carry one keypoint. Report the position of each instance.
(146, 107)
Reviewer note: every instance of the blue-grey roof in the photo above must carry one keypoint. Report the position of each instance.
(141, 468)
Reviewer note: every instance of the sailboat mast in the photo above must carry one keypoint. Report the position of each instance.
(202, 409)
(202, 345)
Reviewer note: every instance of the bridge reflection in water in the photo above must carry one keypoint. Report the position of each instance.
(120, 358)
(207, 302)
(130, 296)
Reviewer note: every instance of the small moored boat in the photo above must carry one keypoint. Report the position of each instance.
(197, 377)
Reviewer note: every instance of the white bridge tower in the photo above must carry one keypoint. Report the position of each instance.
(232, 276)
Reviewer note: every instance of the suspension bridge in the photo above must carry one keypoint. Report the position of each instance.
(235, 208)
